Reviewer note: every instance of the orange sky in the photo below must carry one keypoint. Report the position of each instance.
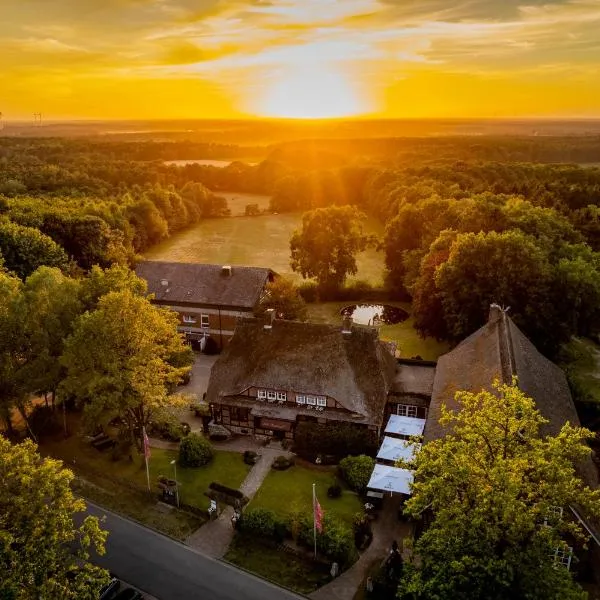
(299, 58)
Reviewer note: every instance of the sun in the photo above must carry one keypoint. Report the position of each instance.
(315, 92)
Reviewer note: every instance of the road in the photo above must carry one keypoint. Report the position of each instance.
(170, 570)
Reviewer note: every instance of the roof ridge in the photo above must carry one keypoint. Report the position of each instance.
(507, 353)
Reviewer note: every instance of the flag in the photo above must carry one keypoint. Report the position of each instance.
(146, 444)
(318, 516)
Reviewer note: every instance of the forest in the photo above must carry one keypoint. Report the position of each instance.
(468, 220)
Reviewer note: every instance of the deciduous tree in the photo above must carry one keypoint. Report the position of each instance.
(282, 295)
(493, 490)
(44, 555)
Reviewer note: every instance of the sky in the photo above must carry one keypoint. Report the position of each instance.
(124, 59)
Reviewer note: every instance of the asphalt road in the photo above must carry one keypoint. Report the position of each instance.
(170, 570)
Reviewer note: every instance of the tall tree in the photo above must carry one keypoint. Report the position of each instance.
(119, 358)
(327, 245)
(493, 489)
(282, 296)
(43, 554)
(117, 278)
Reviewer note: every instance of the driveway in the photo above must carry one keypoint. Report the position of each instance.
(200, 375)
(170, 570)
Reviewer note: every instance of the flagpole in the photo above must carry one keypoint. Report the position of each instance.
(146, 448)
(315, 519)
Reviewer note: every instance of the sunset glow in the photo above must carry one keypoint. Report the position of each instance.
(299, 58)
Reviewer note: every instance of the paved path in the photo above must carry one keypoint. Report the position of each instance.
(170, 570)
(386, 529)
(214, 537)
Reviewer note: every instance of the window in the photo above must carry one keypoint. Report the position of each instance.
(405, 410)
(311, 400)
(321, 401)
(262, 394)
(204, 321)
(271, 396)
(300, 399)
(562, 556)
(281, 396)
(239, 413)
(189, 319)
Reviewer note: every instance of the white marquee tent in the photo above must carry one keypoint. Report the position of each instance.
(391, 479)
(406, 426)
(395, 449)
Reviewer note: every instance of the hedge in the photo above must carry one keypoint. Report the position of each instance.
(357, 470)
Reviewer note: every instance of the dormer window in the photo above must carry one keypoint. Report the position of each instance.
(311, 400)
(262, 394)
(300, 399)
(321, 401)
(281, 396)
(271, 396)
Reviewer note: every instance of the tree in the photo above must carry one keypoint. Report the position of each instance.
(43, 554)
(492, 490)
(118, 360)
(100, 282)
(327, 245)
(25, 249)
(282, 295)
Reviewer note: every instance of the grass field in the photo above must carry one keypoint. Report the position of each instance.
(291, 490)
(404, 334)
(262, 241)
(583, 365)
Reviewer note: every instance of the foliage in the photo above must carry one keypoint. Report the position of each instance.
(251, 210)
(165, 425)
(250, 457)
(337, 440)
(363, 533)
(117, 360)
(43, 554)
(195, 451)
(281, 463)
(25, 249)
(357, 471)
(263, 523)
(282, 295)
(334, 490)
(489, 487)
(326, 246)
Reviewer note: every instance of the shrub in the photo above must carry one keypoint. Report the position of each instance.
(309, 291)
(259, 522)
(337, 440)
(166, 426)
(195, 451)
(357, 471)
(363, 534)
(281, 463)
(250, 457)
(252, 210)
(334, 490)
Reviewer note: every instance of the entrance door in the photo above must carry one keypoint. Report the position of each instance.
(279, 435)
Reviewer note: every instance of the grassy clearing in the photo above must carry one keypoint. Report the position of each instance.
(237, 201)
(121, 485)
(583, 365)
(410, 343)
(258, 241)
(296, 573)
(285, 491)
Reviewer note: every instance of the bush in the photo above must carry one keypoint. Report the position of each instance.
(281, 463)
(166, 426)
(252, 210)
(334, 490)
(195, 451)
(309, 291)
(357, 471)
(250, 457)
(337, 440)
(363, 534)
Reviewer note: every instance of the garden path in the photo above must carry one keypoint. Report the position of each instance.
(386, 529)
(214, 537)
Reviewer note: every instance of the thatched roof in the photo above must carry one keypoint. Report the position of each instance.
(355, 369)
(192, 283)
(414, 379)
(499, 350)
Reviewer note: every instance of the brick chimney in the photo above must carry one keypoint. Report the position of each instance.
(226, 270)
(347, 325)
(495, 313)
(269, 318)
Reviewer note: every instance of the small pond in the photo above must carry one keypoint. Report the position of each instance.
(375, 314)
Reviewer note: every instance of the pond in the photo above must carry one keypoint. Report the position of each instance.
(375, 314)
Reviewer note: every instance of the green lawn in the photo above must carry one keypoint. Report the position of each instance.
(227, 468)
(296, 573)
(410, 343)
(262, 241)
(285, 491)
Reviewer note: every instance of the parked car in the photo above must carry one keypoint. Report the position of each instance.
(129, 594)
(110, 589)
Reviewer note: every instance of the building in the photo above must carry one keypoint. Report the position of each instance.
(275, 374)
(208, 298)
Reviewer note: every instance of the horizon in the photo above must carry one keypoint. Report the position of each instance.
(120, 60)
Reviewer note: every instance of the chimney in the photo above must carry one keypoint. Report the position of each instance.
(226, 270)
(269, 318)
(347, 325)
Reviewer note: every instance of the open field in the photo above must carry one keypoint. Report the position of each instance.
(258, 241)
(410, 343)
(291, 490)
(237, 201)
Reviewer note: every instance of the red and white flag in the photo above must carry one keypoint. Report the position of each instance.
(318, 515)
(146, 444)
